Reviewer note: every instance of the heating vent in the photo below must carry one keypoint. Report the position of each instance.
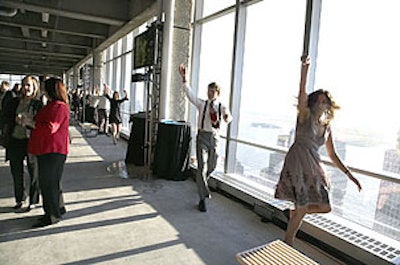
(380, 249)
(274, 253)
(266, 205)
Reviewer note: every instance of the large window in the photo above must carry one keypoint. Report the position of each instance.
(216, 57)
(216, 63)
(356, 59)
(272, 49)
(358, 62)
(211, 6)
(117, 74)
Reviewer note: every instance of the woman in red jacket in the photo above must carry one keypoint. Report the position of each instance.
(50, 143)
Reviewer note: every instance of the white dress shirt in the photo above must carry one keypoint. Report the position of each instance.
(199, 103)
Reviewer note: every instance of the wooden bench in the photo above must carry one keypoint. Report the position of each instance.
(274, 253)
(89, 129)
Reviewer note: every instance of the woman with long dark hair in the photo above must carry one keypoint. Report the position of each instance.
(50, 143)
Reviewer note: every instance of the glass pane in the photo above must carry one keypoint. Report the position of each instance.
(129, 41)
(358, 62)
(262, 167)
(221, 155)
(387, 217)
(271, 71)
(110, 73)
(212, 6)
(353, 71)
(378, 210)
(119, 47)
(117, 74)
(216, 58)
(139, 92)
(128, 73)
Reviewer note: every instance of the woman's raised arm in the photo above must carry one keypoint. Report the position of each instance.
(302, 97)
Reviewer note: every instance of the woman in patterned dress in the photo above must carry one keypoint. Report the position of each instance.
(303, 179)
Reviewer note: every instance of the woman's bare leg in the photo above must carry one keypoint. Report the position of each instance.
(114, 132)
(294, 224)
(296, 217)
(315, 208)
(118, 131)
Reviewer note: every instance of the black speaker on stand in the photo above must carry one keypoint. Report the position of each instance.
(172, 150)
(135, 152)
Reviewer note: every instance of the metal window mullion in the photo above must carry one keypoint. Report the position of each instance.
(236, 85)
(311, 35)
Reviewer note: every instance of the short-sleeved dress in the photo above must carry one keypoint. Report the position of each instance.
(115, 112)
(303, 179)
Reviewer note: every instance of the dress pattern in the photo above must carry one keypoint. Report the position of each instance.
(303, 179)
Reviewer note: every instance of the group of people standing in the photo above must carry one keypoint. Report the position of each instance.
(34, 127)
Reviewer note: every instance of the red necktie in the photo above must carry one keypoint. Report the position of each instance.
(213, 116)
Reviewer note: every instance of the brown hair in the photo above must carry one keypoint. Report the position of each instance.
(313, 97)
(55, 89)
(215, 86)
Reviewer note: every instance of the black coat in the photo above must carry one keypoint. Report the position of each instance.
(9, 115)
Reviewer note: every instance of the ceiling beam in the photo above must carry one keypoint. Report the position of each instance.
(63, 13)
(55, 43)
(81, 34)
(69, 55)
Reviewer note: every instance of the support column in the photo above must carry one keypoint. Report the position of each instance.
(75, 76)
(176, 49)
(97, 69)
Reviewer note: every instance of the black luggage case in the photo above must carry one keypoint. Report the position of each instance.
(172, 150)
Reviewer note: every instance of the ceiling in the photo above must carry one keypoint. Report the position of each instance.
(51, 36)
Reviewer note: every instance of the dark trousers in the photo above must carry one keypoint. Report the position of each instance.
(16, 153)
(103, 120)
(51, 167)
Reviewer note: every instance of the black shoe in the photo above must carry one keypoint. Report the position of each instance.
(63, 210)
(18, 206)
(43, 218)
(31, 206)
(42, 223)
(202, 206)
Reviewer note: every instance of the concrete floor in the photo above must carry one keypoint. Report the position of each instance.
(115, 217)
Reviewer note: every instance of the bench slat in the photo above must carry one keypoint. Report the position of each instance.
(274, 253)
